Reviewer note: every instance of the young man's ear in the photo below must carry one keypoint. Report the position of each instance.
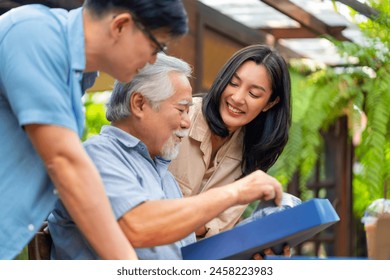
(271, 104)
(118, 22)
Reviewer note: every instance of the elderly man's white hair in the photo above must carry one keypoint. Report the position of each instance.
(152, 81)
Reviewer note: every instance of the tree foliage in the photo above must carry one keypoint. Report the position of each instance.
(95, 113)
(356, 90)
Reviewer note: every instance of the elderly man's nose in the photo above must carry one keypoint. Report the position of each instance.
(185, 121)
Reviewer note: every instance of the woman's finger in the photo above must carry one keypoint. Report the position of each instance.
(287, 251)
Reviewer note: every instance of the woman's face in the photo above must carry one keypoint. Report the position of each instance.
(246, 95)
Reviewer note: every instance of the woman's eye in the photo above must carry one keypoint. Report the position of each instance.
(233, 84)
(253, 95)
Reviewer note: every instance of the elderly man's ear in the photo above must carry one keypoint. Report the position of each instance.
(137, 104)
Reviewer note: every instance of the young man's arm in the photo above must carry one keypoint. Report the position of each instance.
(80, 189)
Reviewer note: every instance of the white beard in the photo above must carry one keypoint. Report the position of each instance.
(171, 148)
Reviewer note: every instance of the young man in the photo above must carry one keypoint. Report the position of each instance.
(44, 56)
(149, 117)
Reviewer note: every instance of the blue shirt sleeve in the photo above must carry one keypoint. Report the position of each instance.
(35, 75)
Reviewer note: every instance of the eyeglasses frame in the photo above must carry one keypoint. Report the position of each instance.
(161, 47)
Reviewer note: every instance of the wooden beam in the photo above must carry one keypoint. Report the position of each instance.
(305, 19)
(361, 8)
(290, 33)
(232, 28)
(7, 5)
(65, 4)
(223, 24)
(298, 32)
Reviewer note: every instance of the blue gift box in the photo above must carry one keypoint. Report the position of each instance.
(291, 226)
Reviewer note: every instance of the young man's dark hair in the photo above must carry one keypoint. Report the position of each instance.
(153, 14)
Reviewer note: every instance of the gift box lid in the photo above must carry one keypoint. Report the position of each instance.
(291, 226)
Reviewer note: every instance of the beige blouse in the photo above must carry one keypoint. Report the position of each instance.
(192, 166)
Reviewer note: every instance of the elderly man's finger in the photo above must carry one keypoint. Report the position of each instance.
(278, 194)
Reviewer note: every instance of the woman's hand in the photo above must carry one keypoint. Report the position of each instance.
(269, 252)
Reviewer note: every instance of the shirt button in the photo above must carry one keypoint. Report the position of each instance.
(55, 192)
(30, 227)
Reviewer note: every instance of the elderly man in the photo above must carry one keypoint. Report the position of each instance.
(149, 117)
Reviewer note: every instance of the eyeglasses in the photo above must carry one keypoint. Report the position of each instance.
(161, 47)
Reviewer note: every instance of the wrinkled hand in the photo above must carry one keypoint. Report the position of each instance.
(269, 252)
(257, 185)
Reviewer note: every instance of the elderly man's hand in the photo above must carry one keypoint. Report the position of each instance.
(257, 186)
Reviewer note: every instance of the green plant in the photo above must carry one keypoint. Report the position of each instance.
(325, 94)
(95, 113)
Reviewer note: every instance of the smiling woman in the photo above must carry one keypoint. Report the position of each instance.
(246, 96)
(239, 126)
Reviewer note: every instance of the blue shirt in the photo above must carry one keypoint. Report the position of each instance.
(42, 61)
(130, 177)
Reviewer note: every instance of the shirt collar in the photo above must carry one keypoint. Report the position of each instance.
(125, 138)
(162, 165)
(199, 130)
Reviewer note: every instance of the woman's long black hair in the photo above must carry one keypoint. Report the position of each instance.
(265, 136)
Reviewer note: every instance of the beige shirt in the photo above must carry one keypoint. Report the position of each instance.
(192, 166)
